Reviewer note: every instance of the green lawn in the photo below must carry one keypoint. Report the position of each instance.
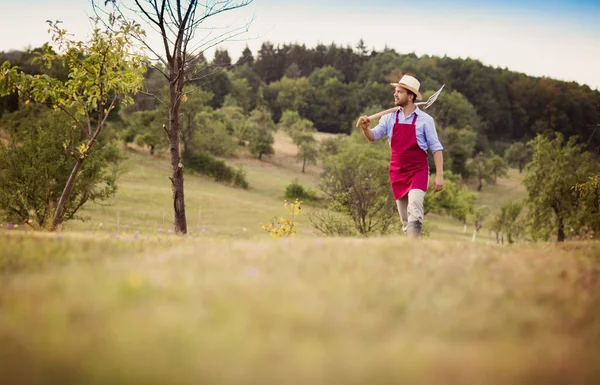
(144, 199)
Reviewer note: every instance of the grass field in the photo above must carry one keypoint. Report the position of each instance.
(119, 300)
(144, 199)
(98, 310)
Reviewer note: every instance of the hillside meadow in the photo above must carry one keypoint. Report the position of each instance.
(120, 299)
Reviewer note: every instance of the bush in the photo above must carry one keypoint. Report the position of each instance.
(207, 164)
(295, 190)
(35, 165)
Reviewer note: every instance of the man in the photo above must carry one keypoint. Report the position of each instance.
(410, 132)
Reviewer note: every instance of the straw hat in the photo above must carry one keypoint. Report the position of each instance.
(411, 84)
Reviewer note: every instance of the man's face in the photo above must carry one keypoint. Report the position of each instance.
(400, 96)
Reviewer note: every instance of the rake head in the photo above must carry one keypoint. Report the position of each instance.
(431, 99)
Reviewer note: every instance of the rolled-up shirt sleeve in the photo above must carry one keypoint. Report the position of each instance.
(382, 128)
(431, 137)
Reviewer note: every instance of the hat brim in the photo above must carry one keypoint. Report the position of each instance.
(411, 89)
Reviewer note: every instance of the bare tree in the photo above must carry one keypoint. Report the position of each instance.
(182, 26)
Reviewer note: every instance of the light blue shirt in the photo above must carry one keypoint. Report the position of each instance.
(426, 133)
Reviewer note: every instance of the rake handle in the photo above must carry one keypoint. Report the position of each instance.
(379, 115)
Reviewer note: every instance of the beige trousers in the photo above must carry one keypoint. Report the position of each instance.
(410, 208)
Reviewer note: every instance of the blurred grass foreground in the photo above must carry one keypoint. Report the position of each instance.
(93, 309)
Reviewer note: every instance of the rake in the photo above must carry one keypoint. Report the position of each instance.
(426, 105)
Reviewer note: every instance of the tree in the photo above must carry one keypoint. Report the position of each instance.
(454, 200)
(239, 95)
(292, 94)
(458, 145)
(237, 123)
(261, 133)
(177, 24)
(145, 128)
(356, 184)
(480, 167)
(102, 71)
(458, 124)
(588, 194)
(288, 119)
(479, 216)
(498, 167)
(222, 58)
(329, 106)
(35, 165)
(194, 103)
(551, 176)
(292, 71)
(518, 154)
(506, 221)
(302, 134)
(211, 134)
(246, 58)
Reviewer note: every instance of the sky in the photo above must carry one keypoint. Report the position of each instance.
(554, 38)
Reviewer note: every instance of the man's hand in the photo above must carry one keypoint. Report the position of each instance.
(438, 183)
(363, 122)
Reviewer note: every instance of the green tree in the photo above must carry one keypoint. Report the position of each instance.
(245, 71)
(237, 123)
(553, 203)
(479, 216)
(356, 184)
(458, 145)
(246, 58)
(240, 95)
(292, 71)
(211, 135)
(35, 164)
(458, 124)
(102, 71)
(454, 200)
(480, 168)
(498, 167)
(261, 133)
(192, 103)
(588, 194)
(302, 135)
(288, 120)
(222, 58)
(145, 128)
(507, 221)
(331, 146)
(329, 96)
(518, 154)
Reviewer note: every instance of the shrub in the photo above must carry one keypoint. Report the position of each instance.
(35, 165)
(207, 164)
(295, 190)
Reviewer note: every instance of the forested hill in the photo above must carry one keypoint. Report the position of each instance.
(332, 85)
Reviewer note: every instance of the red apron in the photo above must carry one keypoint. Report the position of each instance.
(409, 168)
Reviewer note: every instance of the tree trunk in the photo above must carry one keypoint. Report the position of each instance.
(480, 185)
(559, 223)
(62, 202)
(561, 231)
(304, 165)
(177, 177)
